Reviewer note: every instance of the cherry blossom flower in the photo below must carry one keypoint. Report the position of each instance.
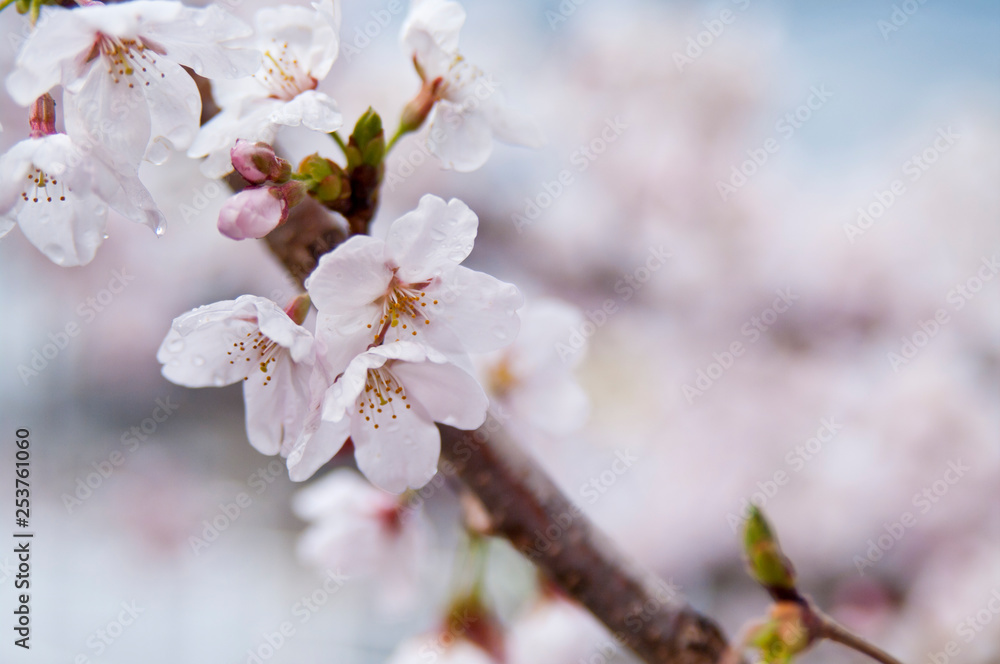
(364, 532)
(248, 339)
(120, 65)
(59, 192)
(469, 111)
(387, 401)
(410, 286)
(299, 47)
(532, 379)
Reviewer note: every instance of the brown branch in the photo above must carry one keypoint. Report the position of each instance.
(526, 508)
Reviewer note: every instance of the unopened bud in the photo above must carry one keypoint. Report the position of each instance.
(256, 211)
(258, 163)
(417, 109)
(367, 142)
(42, 116)
(765, 560)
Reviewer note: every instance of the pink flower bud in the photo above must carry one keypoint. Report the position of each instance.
(257, 163)
(256, 211)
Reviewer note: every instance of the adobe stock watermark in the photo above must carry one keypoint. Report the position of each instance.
(580, 160)
(924, 500)
(753, 330)
(899, 17)
(697, 44)
(913, 169)
(101, 639)
(403, 166)
(796, 459)
(968, 629)
(597, 486)
(957, 297)
(303, 610)
(592, 490)
(229, 512)
(626, 287)
(364, 35)
(86, 311)
(201, 198)
(562, 13)
(85, 486)
(785, 127)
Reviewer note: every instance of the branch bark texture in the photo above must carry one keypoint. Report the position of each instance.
(525, 507)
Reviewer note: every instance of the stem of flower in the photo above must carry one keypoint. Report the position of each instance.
(340, 142)
(833, 631)
(400, 132)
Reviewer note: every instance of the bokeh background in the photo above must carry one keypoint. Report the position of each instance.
(880, 96)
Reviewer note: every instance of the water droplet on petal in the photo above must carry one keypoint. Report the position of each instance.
(175, 362)
(198, 361)
(500, 332)
(218, 381)
(176, 346)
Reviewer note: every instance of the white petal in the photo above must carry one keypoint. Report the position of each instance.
(432, 239)
(310, 108)
(461, 139)
(351, 276)
(317, 448)
(174, 110)
(194, 352)
(398, 457)
(339, 401)
(448, 394)
(68, 232)
(196, 39)
(51, 55)
(480, 309)
(276, 410)
(201, 348)
(112, 113)
(441, 19)
(311, 39)
(278, 327)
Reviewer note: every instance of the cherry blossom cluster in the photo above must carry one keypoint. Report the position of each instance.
(393, 334)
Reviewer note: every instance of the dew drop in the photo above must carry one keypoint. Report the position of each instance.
(198, 361)
(218, 381)
(500, 332)
(176, 346)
